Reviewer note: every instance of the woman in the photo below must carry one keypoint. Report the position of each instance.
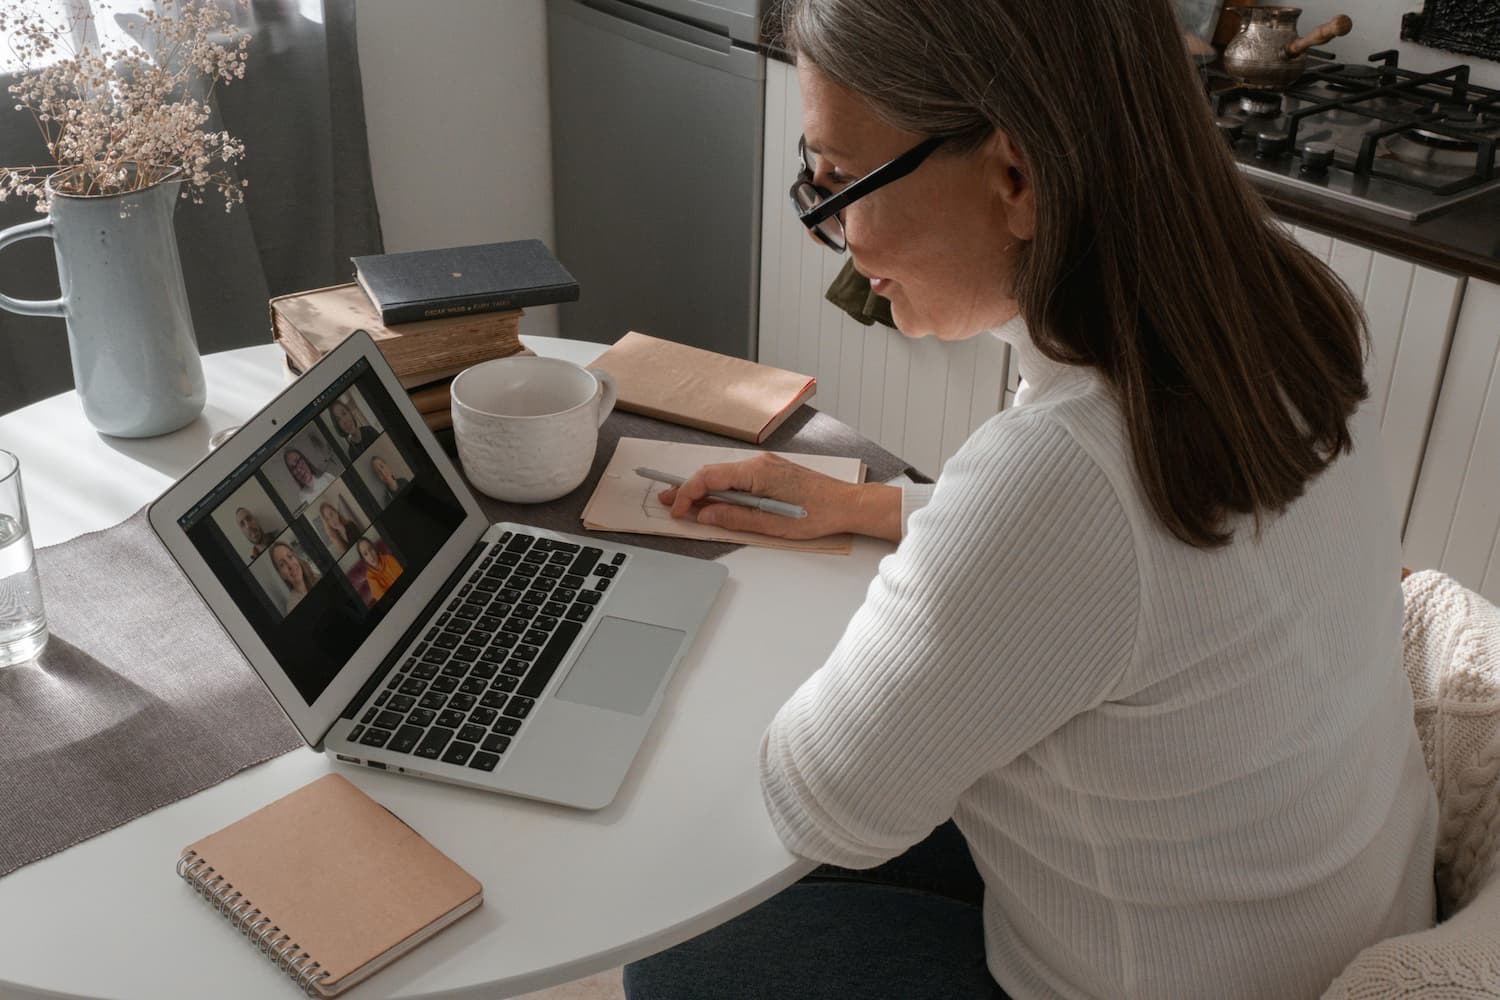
(338, 529)
(1141, 642)
(357, 434)
(297, 573)
(311, 480)
(381, 568)
(390, 483)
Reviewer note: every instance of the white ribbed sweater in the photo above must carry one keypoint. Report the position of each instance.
(1181, 772)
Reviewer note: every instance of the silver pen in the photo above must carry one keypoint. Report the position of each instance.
(731, 496)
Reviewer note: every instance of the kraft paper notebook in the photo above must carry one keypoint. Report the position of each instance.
(697, 388)
(329, 884)
(623, 501)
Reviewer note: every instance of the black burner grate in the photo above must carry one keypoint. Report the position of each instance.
(1439, 110)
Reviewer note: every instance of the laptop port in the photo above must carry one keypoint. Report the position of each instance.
(346, 758)
(375, 763)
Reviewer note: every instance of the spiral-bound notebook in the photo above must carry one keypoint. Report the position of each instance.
(329, 884)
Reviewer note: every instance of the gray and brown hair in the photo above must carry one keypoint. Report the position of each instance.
(1237, 355)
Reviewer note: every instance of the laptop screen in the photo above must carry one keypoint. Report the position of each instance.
(319, 531)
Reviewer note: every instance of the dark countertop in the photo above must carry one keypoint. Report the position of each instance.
(776, 52)
(1465, 240)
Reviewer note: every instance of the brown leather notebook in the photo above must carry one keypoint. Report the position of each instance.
(713, 392)
(329, 884)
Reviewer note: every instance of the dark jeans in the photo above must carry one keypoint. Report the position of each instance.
(909, 929)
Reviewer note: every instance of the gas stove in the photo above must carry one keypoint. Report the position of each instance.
(1412, 145)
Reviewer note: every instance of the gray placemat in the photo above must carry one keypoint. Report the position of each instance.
(139, 699)
(806, 432)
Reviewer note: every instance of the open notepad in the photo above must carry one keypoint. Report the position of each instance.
(623, 501)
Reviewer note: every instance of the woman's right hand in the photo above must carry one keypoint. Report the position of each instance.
(833, 507)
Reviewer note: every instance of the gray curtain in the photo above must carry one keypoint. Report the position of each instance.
(310, 205)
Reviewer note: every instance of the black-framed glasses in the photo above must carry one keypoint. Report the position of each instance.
(820, 210)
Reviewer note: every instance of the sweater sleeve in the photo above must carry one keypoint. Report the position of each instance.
(914, 496)
(1009, 608)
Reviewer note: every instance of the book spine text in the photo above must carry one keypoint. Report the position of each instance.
(409, 312)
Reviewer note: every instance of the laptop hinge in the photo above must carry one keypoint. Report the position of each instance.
(410, 636)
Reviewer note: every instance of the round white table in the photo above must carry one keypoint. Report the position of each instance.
(686, 845)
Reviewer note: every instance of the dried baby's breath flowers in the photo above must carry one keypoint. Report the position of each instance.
(118, 119)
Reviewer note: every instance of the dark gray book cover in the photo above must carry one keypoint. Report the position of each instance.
(451, 281)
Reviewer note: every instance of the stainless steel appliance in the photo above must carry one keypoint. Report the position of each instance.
(1411, 145)
(1266, 51)
(656, 158)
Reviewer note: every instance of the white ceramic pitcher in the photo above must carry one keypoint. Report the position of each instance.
(130, 334)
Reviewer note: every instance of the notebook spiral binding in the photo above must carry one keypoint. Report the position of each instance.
(251, 922)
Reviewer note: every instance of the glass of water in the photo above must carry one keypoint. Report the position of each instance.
(23, 623)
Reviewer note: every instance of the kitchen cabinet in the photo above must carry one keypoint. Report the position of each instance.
(1411, 311)
(918, 398)
(1455, 515)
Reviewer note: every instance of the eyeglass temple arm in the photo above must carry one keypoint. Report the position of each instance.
(877, 178)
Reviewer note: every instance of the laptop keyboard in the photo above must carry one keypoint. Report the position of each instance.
(464, 692)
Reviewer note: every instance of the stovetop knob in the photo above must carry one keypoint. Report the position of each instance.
(1317, 157)
(1271, 145)
(1230, 129)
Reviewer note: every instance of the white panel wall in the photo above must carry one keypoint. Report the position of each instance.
(918, 398)
(460, 139)
(1410, 311)
(1455, 517)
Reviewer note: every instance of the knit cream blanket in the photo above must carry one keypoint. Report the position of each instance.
(1451, 641)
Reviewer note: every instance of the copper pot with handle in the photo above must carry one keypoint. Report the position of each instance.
(1266, 52)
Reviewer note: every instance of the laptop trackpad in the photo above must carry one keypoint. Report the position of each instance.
(622, 666)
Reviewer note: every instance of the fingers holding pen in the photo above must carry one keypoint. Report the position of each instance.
(709, 478)
(820, 501)
(710, 510)
(726, 515)
(830, 506)
(736, 518)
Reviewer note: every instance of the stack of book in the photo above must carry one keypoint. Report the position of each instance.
(433, 313)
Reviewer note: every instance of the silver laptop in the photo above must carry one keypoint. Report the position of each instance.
(340, 548)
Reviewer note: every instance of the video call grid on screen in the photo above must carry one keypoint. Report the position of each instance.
(322, 528)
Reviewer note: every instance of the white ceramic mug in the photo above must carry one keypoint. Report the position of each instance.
(527, 428)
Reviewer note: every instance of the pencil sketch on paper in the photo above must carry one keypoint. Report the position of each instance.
(652, 508)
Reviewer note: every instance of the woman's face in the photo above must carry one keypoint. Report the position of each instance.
(940, 242)
(383, 473)
(344, 419)
(330, 516)
(297, 465)
(289, 566)
(367, 552)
